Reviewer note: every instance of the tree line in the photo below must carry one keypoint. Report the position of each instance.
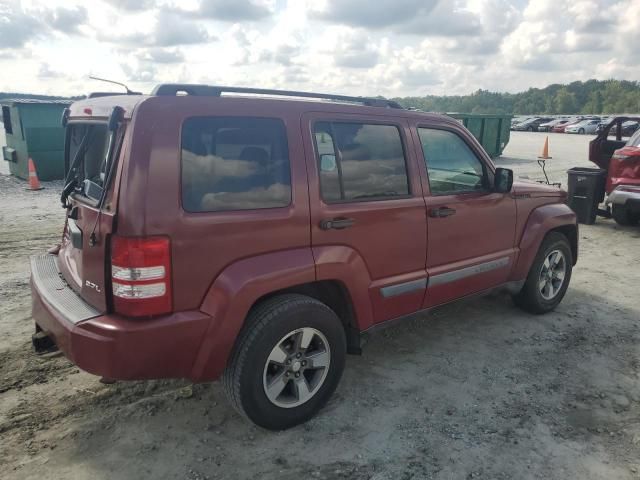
(590, 97)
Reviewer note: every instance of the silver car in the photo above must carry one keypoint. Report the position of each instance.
(585, 126)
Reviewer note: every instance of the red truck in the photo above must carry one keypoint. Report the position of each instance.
(255, 235)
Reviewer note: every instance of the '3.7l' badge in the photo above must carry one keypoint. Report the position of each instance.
(95, 286)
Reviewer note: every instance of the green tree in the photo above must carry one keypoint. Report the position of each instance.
(564, 102)
(592, 96)
(594, 103)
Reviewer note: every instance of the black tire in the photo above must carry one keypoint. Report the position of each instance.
(530, 129)
(623, 216)
(530, 297)
(581, 131)
(267, 324)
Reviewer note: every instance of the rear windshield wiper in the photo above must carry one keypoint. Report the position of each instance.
(113, 151)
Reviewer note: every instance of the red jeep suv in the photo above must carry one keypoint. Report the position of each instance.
(255, 235)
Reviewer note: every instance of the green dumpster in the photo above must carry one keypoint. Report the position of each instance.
(33, 129)
(492, 131)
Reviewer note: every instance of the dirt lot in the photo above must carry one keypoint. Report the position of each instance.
(475, 390)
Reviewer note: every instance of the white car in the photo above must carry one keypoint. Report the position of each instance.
(585, 126)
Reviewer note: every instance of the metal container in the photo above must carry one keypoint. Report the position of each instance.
(33, 129)
(491, 130)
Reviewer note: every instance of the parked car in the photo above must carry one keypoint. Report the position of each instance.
(562, 128)
(583, 127)
(621, 160)
(548, 126)
(516, 120)
(210, 234)
(532, 124)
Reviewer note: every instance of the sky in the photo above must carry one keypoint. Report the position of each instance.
(357, 47)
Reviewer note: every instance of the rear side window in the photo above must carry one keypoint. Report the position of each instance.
(360, 161)
(234, 163)
(451, 164)
(6, 119)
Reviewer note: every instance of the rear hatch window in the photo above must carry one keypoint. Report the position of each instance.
(88, 151)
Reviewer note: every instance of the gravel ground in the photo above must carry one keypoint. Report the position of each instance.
(474, 390)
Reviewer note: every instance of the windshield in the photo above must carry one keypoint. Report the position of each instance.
(87, 152)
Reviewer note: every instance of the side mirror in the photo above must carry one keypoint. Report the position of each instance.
(503, 180)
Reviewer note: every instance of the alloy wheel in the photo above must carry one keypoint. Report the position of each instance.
(552, 274)
(296, 367)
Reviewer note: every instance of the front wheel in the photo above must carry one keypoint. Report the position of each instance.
(287, 362)
(548, 277)
(623, 216)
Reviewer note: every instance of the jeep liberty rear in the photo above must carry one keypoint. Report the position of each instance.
(255, 235)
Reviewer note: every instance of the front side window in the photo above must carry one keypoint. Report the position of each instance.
(234, 163)
(360, 161)
(452, 166)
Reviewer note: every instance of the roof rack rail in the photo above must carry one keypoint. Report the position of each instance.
(171, 89)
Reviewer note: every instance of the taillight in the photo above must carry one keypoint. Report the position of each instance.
(141, 275)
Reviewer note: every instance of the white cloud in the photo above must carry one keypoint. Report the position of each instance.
(361, 47)
(355, 49)
(132, 5)
(17, 27)
(162, 55)
(170, 28)
(66, 19)
(234, 10)
(46, 72)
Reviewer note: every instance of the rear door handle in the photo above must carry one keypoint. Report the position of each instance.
(441, 212)
(339, 223)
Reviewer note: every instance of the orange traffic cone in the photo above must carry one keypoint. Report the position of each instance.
(545, 150)
(34, 183)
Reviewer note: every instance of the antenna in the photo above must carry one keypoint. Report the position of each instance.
(129, 92)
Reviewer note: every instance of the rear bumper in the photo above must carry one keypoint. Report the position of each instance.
(110, 345)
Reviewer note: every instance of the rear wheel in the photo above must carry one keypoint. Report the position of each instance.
(287, 362)
(548, 277)
(623, 215)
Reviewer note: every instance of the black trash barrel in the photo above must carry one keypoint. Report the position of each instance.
(586, 191)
